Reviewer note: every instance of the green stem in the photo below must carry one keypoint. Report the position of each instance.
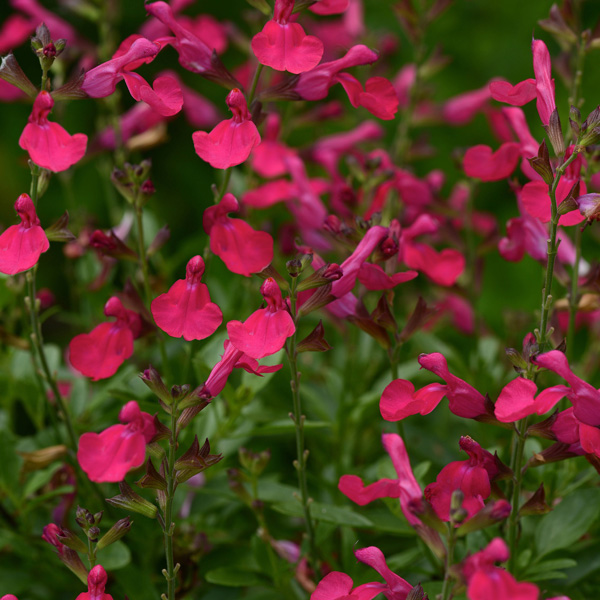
(448, 578)
(255, 79)
(552, 250)
(513, 519)
(574, 296)
(299, 418)
(91, 554)
(171, 572)
(224, 184)
(146, 277)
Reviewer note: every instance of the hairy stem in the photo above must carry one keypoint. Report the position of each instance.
(171, 571)
(513, 519)
(448, 578)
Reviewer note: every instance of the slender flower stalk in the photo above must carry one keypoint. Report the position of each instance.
(170, 572)
(513, 519)
(574, 295)
(299, 418)
(37, 339)
(448, 578)
(552, 251)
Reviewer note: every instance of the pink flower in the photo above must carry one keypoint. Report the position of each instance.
(49, 145)
(109, 455)
(373, 277)
(242, 249)
(97, 579)
(404, 487)
(269, 158)
(472, 477)
(462, 108)
(101, 352)
(544, 84)
(21, 245)
(399, 399)
(284, 46)
(231, 141)
(265, 331)
(101, 81)
(537, 201)
(516, 400)
(442, 267)
(517, 95)
(485, 581)
(338, 586)
(464, 400)
(584, 397)
(315, 84)
(231, 359)
(165, 96)
(186, 310)
(378, 95)
(482, 163)
(329, 7)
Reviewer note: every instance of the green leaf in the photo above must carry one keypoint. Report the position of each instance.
(568, 521)
(116, 556)
(324, 512)
(232, 577)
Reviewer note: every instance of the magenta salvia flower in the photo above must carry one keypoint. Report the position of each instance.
(515, 95)
(109, 455)
(336, 585)
(472, 477)
(97, 579)
(584, 397)
(485, 580)
(265, 331)
(544, 84)
(462, 108)
(186, 310)
(231, 141)
(49, 144)
(101, 352)
(21, 245)
(284, 46)
(101, 81)
(378, 96)
(482, 163)
(516, 400)
(315, 84)
(243, 249)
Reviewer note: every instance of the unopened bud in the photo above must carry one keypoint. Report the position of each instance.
(554, 132)
(129, 500)
(116, 532)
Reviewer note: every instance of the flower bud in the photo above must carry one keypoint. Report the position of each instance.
(554, 132)
(590, 129)
(151, 377)
(116, 532)
(489, 515)
(314, 341)
(129, 500)
(69, 539)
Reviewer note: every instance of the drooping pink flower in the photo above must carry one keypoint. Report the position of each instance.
(463, 399)
(14, 31)
(515, 95)
(186, 310)
(101, 352)
(582, 438)
(243, 249)
(482, 163)
(49, 145)
(265, 331)
(231, 359)
(97, 579)
(315, 84)
(68, 557)
(485, 581)
(231, 141)
(516, 400)
(109, 455)
(544, 84)
(378, 95)
(21, 245)
(37, 13)
(404, 487)
(399, 399)
(584, 397)
(472, 477)
(284, 46)
(339, 586)
(101, 81)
